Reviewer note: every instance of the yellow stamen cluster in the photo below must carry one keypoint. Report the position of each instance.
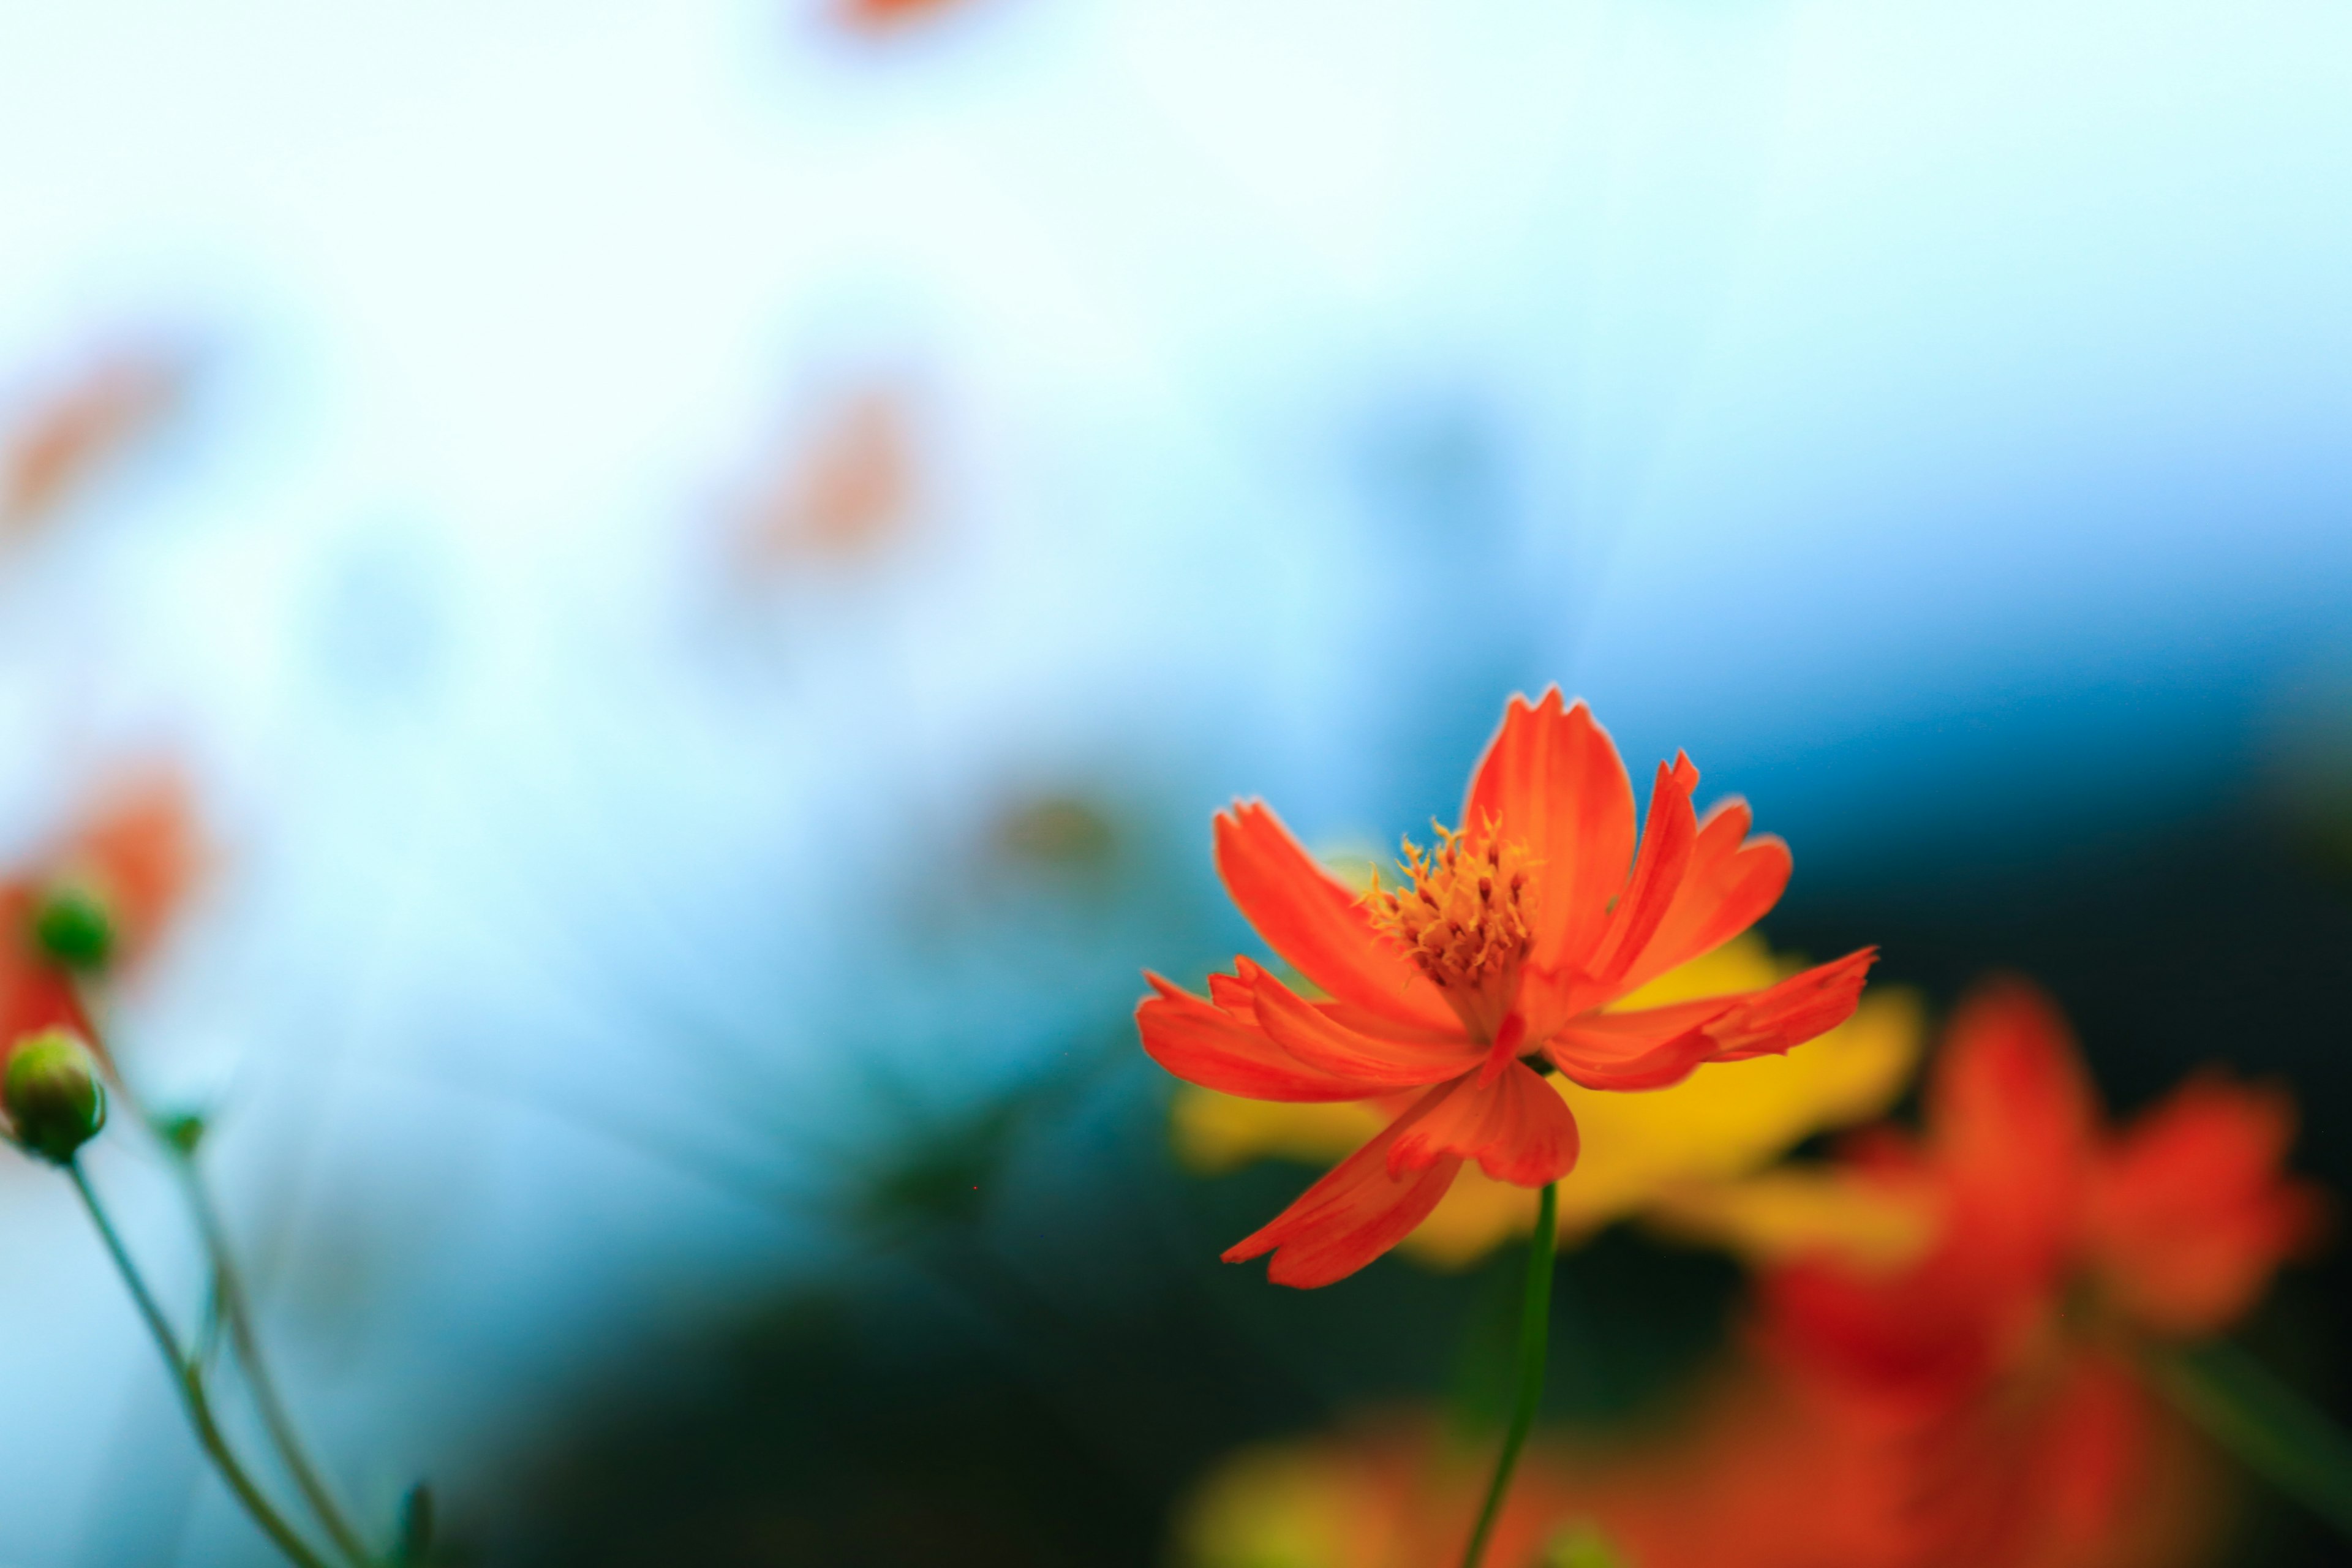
(1467, 909)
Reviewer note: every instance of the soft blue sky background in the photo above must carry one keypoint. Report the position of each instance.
(1935, 418)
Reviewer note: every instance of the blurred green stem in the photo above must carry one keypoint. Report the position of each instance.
(236, 1310)
(1534, 1332)
(2272, 1430)
(189, 1379)
(231, 1309)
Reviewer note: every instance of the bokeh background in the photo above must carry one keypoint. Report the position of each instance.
(707, 566)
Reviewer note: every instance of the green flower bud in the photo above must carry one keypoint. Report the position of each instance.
(73, 928)
(55, 1101)
(182, 1131)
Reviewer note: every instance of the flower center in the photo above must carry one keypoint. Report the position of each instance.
(1467, 912)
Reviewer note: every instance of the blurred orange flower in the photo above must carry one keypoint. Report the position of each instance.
(882, 15)
(134, 856)
(842, 492)
(1752, 1474)
(2172, 1227)
(2080, 1469)
(1497, 964)
(1987, 1378)
(74, 429)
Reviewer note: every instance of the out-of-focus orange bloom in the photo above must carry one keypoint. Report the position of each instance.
(1753, 1474)
(74, 429)
(2079, 1469)
(1986, 1380)
(2171, 1227)
(884, 15)
(841, 492)
(1498, 963)
(135, 854)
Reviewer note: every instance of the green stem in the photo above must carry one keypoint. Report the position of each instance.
(2271, 1429)
(1535, 1332)
(236, 1312)
(231, 1308)
(189, 1380)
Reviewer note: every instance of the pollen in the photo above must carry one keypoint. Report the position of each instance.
(1466, 910)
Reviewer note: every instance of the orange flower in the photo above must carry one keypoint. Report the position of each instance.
(2084, 1469)
(1498, 962)
(135, 854)
(1745, 1473)
(881, 16)
(77, 428)
(842, 493)
(1983, 1375)
(2172, 1227)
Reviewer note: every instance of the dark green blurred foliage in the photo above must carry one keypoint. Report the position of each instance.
(412, 1537)
(1033, 1372)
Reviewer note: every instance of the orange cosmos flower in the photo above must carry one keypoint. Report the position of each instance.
(1499, 962)
(1983, 1378)
(2084, 1469)
(2171, 1229)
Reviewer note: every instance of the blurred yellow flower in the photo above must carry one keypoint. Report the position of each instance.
(1681, 1154)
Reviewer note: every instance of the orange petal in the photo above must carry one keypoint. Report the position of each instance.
(1316, 923)
(1731, 883)
(1653, 1048)
(1553, 781)
(1667, 839)
(1381, 1026)
(1358, 1211)
(2190, 1210)
(1316, 1039)
(1550, 998)
(34, 994)
(1804, 1006)
(2011, 1115)
(1208, 1046)
(1518, 1128)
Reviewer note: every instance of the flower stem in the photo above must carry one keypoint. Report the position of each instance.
(236, 1312)
(1534, 1332)
(230, 1307)
(2271, 1429)
(189, 1379)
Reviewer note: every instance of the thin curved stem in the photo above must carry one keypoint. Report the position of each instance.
(2272, 1430)
(189, 1380)
(236, 1312)
(1535, 1334)
(232, 1310)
